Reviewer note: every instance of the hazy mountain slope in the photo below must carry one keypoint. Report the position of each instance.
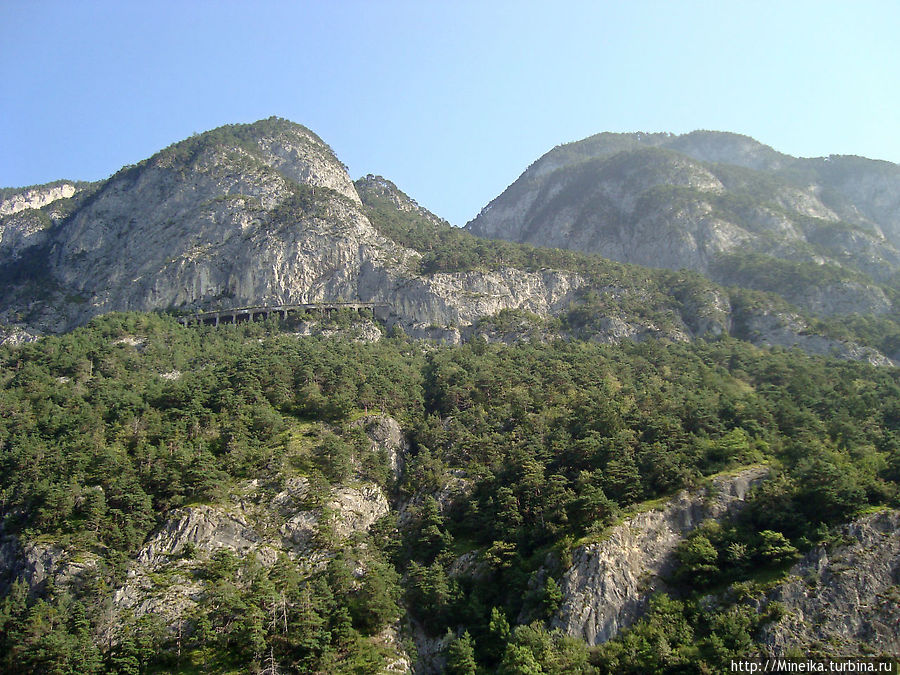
(688, 201)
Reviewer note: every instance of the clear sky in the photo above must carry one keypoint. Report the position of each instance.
(451, 100)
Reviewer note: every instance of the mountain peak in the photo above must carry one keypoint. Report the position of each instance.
(291, 149)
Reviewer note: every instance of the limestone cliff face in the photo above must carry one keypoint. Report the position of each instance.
(609, 583)
(36, 197)
(845, 600)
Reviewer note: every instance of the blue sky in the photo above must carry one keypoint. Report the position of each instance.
(450, 100)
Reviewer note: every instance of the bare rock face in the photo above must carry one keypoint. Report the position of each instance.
(350, 509)
(609, 583)
(845, 298)
(36, 197)
(461, 298)
(300, 155)
(357, 508)
(13, 335)
(847, 600)
(22, 230)
(39, 563)
(387, 436)
(205, 528)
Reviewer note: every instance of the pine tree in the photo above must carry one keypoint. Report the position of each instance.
(461, 656)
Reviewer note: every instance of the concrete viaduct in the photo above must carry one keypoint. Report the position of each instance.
(238, 314)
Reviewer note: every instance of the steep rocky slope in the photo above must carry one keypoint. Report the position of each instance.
(691, 201)
(253, 214)
(609, 583)
(845, 600)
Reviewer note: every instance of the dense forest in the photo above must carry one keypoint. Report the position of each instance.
(109, 429)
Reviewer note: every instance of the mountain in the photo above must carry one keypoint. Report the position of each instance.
(824, 233)
(243, 215)
(265, 214)
(587, 465)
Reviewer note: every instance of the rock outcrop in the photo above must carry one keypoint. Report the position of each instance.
(609, 583)
(200, 529)
(845, 600)
(40, 563)
(36, 197)
(162, 577)
(387, 436)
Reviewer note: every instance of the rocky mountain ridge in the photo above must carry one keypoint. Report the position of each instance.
(698, 200)
(266, 214)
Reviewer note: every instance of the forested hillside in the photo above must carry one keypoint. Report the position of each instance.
(533, 460)
(515, 455)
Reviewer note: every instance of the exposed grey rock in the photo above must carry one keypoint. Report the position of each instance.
(387, 436)
(206, 528)
(352, 509)
(430, 651)
(21, 231)
(357, 508)
(845, 298)
(13, 335)
(609, 583)
(160, 579)
(39, 563)
(302, 156)
(846, 600)
(36, 197)
(401, 662)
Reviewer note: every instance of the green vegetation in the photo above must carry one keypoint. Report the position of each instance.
(762, 283)
(546, 444)
(243, 136)
(765, 273)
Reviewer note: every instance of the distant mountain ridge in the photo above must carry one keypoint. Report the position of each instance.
(696, 200)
